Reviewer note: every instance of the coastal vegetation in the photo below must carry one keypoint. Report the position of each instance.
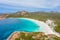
(36, 36)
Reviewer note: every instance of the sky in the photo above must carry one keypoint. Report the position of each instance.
(29, 5)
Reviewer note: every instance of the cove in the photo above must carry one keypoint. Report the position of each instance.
(10, 25)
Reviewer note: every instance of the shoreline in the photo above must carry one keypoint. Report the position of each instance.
(12, 35)
(46, 29)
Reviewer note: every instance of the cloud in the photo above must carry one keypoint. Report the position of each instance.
(32, 3)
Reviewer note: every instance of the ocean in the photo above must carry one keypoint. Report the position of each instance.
(10, 25)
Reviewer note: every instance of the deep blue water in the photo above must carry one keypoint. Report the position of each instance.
(9, 25)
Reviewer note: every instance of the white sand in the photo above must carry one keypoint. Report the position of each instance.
(45, 28)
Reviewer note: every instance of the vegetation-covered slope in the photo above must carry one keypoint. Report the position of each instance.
(36, 36)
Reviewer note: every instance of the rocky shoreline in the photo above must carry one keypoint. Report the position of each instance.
(3, 16)
(13, 35)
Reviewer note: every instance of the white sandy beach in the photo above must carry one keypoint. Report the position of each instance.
(47, 29)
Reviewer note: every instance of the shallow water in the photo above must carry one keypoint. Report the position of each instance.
(9, 25)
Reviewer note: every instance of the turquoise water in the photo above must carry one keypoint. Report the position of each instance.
(9, 25)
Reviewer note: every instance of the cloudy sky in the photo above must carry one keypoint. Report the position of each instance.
(29, 5)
